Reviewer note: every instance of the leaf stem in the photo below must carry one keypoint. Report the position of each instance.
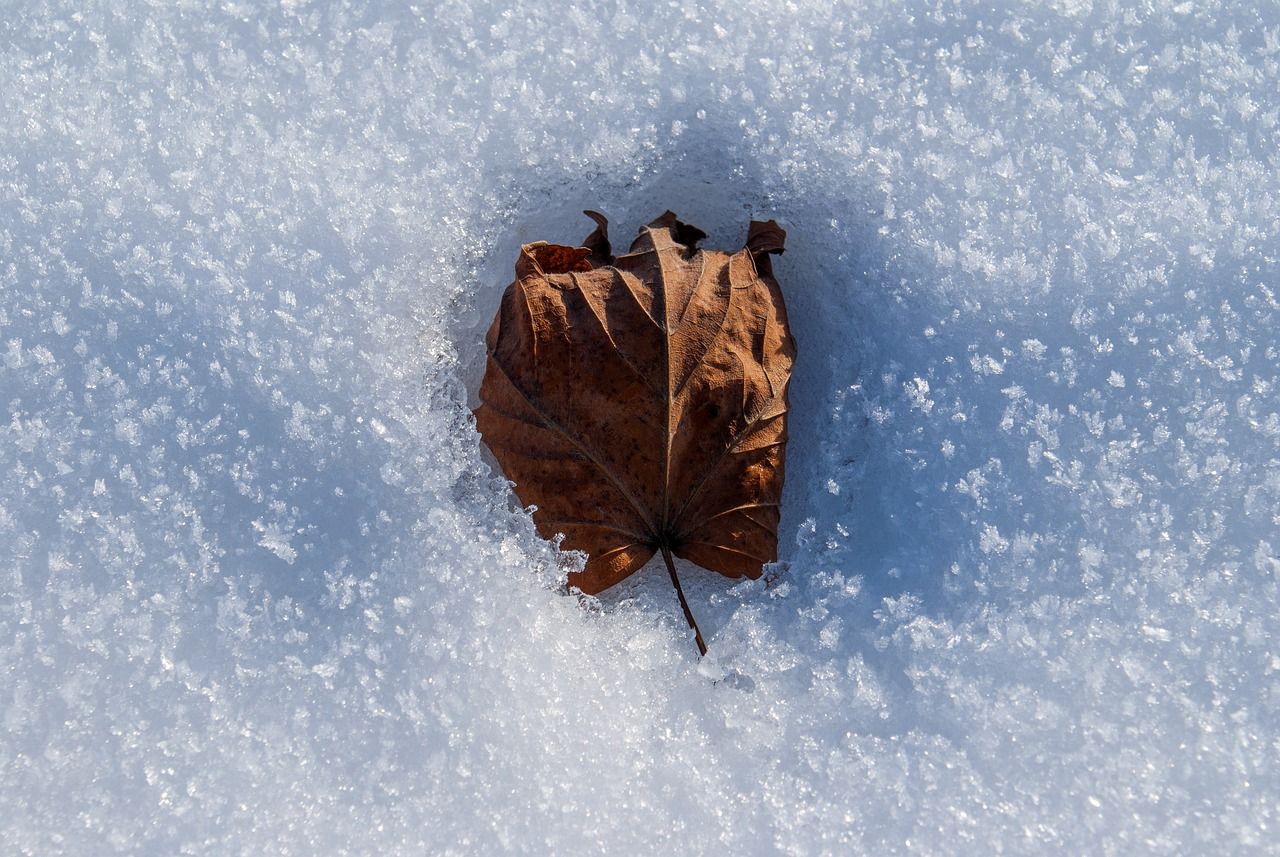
(684, 605)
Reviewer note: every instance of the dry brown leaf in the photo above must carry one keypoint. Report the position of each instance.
(640, 402)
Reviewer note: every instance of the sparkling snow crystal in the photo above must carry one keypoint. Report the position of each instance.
(261, 592)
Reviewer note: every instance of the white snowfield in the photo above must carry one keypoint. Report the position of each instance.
(262, 593)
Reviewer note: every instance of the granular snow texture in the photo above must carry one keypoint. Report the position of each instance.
(262, 593)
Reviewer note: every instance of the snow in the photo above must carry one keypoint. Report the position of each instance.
(261, 593)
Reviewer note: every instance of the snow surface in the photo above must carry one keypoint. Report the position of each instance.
(260, 592)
